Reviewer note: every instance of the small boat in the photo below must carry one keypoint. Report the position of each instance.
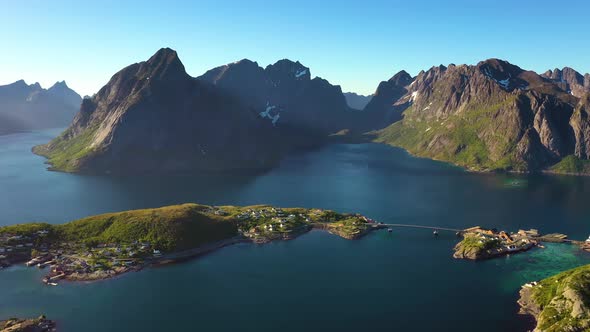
(435, 233)
(588, 239)
(390, 230)
(52, 283)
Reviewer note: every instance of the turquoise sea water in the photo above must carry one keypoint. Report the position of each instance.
(404, 281)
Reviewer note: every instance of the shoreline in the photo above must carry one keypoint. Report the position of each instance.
(190, 254)
(469, 170)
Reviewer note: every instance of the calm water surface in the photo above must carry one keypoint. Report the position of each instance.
(405, 281)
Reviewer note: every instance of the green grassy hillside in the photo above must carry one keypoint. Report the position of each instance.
(564, 300)
(477, 138)
(169, 228)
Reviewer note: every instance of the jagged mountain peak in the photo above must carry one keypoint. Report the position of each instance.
(245, 62)
(499, 69)
(569, 80)
(229, 74)
(291, 68)
(164, 64)
(19, 83)
(59, 85)
(402, 78)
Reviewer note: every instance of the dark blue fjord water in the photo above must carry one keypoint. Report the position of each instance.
(405, 281)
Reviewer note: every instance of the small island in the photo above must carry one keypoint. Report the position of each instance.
(560, 302)
(107, 245)
(479, 243)
(40, 324)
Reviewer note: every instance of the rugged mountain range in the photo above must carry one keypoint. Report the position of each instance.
(570, 80)
(153, 117)
(492, 116)
(28, 107)
(356, 101)
(285, 95)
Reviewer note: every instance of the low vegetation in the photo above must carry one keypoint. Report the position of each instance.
(472, 138)
(563, 301)
(571, 165)
(102, 246)
(475, 246)
(348, 228)
(64, 153)
(169, 228)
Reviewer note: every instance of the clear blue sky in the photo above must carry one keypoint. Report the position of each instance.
(355, 44)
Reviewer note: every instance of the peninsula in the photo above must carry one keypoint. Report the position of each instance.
(103, 246)
(560, 302)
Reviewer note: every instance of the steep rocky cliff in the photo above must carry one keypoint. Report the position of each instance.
(385, 107)
(491, 116)
(285, 95)
(570, 80)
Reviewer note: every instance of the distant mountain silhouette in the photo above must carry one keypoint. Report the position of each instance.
(27, 107)
(356, 101)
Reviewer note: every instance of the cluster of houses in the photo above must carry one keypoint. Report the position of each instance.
(71, 259)
(15, 248)
(265, 222)
(505, 242)
(262, 213)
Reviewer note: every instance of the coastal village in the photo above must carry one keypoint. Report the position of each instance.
(71, 260)
(479, 243)
(46, 247)
(76, 261)
(38, 245)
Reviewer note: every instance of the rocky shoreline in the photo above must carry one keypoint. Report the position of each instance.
(40, 324)
(560, 302)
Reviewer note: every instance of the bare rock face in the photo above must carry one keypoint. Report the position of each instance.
(285, 95)
(152, 117)
(569, 80)
(382, 110)
(579, 122)
(491, 116)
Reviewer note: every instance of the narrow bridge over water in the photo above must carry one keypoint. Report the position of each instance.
(435, 228)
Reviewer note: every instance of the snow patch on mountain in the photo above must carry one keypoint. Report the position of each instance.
(505, 83)
(267, 114)
(300, 73)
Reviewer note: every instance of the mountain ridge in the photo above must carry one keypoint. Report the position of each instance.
(26, 107)
(153, 117)
(486, 117)
(491, 116)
